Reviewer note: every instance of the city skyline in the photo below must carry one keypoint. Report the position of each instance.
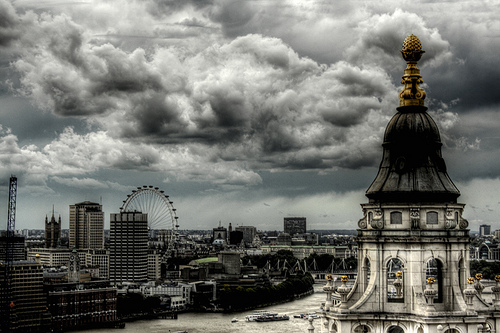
(244, 112)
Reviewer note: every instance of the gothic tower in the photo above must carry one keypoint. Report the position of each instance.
(413, 243)
(52, 231)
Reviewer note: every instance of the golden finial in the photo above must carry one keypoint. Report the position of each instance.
(329, 277)
(497, 278)
(412, 94)
(344, 278)
(399, 274)
(479, 276)
(430, 280)
(470, 280)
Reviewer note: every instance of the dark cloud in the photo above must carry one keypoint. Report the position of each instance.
(9, 24)
(209, 92)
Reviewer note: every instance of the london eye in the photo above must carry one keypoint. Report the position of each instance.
(162, 217)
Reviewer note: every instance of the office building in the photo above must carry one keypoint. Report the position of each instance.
(294, 225)
(97, 262)
(128, 246)
(16, 243)
(249, 233)
(154, 265)
(27, 303)
(76, 305)
(484, 230)
(86, 226)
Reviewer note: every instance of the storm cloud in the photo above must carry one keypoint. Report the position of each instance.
(218, 92)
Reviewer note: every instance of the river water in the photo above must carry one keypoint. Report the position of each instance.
(221, 322)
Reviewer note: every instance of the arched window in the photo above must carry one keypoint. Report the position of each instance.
(395, 329)
(395, 290)
(484, 252)
(362, 329)
(461, 273)
(432, 218)
(368, 270)
(435, 269)
(396, 218)
(365, 274)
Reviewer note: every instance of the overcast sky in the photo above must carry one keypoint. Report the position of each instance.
(244, 112)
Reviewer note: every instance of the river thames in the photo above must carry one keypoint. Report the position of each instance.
(221, 322)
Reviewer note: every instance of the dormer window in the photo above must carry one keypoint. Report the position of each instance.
(396, 218)
(432, 218)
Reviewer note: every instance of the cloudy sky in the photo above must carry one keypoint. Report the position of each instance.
(242, 111)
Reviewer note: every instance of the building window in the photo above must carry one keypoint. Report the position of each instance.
(434, 269)
(432, 218)
(395, 287)
(362, 329)
(395, 329)
(396, 218)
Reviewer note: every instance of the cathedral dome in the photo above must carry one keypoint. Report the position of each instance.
(411, 128)
(412, 168)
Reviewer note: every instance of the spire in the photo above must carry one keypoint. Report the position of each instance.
(412, 94)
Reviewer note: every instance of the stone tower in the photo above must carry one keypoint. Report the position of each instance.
(413, 243)
(52, 231)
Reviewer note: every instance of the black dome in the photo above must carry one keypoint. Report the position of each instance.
(412, 169)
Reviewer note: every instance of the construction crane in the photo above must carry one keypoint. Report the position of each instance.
(6, 303)
(11, 220)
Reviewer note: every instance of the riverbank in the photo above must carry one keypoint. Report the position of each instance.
(221, 322)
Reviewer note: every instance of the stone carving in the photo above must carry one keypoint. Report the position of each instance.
(378, 221)
(463, 223)
(451, 222)
(415, 218)
(362, 223)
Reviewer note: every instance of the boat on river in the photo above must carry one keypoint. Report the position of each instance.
(260, 313)
(272, 318)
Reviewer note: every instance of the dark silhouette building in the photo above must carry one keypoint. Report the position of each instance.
(52, 231)
(294, 225)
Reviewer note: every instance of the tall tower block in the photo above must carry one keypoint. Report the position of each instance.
(86, 226)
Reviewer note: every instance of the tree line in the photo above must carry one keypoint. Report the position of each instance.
(240, 298)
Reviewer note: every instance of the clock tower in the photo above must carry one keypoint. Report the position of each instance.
(74, 267)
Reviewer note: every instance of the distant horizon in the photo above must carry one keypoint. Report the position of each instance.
(308, 231)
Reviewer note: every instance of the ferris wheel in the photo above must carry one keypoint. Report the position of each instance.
(162, 217)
